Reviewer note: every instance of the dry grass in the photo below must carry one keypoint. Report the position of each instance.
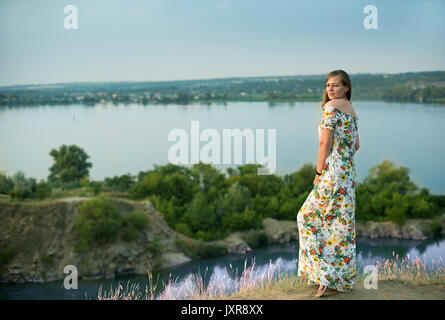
(412, 271)
(269, 280)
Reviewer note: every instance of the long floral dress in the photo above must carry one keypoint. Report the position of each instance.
(326, 220)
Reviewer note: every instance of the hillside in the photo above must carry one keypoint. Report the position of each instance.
(40, 239)
(417, 87)
(37, 240)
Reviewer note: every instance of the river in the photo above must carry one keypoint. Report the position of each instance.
(124, 139)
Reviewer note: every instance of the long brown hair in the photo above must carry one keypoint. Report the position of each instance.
(344, 79)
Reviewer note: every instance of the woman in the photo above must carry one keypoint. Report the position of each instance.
(326, 220)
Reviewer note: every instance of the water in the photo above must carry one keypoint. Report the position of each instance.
(127, 139)
(230, 267)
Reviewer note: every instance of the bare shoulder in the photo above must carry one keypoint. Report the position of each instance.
(342, 105)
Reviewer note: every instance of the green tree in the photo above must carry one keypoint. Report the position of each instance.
(266, 206)
(120, 183)
(262, 185)
(200, 214)
(149, 184)
(301, 181)
(234, 200)
(387, 175)
(211, 181)
(179, 185)
(70, 164)
(388, 194)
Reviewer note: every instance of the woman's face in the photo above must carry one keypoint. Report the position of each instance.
(335, 88)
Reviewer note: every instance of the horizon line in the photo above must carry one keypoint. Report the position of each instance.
(202, 79)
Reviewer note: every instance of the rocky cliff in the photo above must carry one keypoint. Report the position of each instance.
(36, 241)
(416, 229)
(38, 237)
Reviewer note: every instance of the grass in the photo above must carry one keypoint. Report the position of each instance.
(412, 271)
(269, 280)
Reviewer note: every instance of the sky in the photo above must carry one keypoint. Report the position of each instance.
(161, 40)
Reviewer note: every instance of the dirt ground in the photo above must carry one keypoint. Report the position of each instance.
(387, 290)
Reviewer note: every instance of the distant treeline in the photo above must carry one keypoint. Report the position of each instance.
(412, 86)
(428, 94)
(204, 203)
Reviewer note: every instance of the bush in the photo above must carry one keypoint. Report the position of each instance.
(138, 219)
(211, 250)
(435, 228)
(200, 249)
(96, 187)
(23, 187)
(97, 223)
(43, 190)
(255, 238)
(93, 187)
(133, 223)
(240, 221)
(66, 185)
(100, 222)
(184, 229)
(204, 235)
(6, 184)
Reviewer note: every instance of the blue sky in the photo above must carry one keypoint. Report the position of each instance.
(155, 40)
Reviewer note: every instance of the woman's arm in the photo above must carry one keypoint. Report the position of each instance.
(357, 143)
(324, 149)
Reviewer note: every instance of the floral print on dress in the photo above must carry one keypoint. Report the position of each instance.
(326, 220)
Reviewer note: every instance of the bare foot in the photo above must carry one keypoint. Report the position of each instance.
(321, 290)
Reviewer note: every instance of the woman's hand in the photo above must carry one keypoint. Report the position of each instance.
(316, 179)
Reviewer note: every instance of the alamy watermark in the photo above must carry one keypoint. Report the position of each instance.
(71, 20)
(70, 281)
(371, 280)
(254, 146)
(370, 21)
